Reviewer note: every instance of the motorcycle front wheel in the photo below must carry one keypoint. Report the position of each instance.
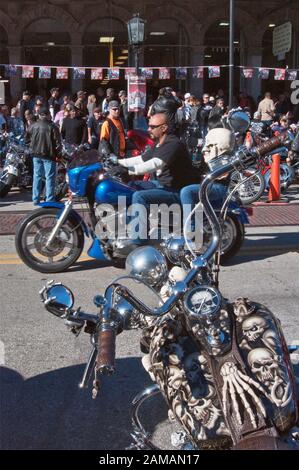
(32, 235)
(252, 189)
(6, 182)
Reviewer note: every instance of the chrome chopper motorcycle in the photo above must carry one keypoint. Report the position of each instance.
(223, 367)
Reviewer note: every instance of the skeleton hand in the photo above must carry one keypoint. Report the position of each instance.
(237, 383)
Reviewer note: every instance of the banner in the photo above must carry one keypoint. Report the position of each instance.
(136, 93)
(44, 71)
(164, 73)
(264, 73)
(27, 71)
(291, 75)
(181, 73)
(279, 74)
(197, 72)
(113, 74)
(214, 71)
(78, 73)
(62, 73)
(248, 73)
(147, 73)
(96, 73)
(10, 70)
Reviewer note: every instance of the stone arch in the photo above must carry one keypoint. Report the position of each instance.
(45, 10)
(242, 18)
(118, 12)
(169, 11)
(8, 25)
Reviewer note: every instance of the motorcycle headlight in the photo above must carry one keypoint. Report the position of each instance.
(148, 265)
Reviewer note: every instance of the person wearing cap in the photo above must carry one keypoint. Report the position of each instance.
(45, 144)
(81, 104)
(112, 137)
(54, 102)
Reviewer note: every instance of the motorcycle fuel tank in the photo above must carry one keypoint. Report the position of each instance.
(109, 191)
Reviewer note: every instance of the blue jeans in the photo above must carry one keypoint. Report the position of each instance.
(190, 197)
(43, 168)
(155, 194)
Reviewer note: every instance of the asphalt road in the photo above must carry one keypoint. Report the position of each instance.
(42, 362)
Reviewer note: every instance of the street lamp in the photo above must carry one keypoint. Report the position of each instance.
(136, 32)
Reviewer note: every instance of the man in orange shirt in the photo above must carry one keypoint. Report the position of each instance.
(112, 137)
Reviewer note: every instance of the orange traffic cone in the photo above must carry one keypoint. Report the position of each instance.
(274, 191)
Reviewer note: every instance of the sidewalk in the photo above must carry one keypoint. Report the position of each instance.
(261, 214)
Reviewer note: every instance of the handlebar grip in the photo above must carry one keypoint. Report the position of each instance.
(270, 144)
(105, 362)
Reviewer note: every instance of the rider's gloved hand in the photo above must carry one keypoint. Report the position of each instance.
(113, 159)
(119, 171)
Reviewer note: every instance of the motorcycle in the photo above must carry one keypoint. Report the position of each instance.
(17, 169)
(222, 367)
(51, 239)
(253, 182)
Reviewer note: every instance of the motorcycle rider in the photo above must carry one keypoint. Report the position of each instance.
(189, 195)
(169, 160)
(45, 144)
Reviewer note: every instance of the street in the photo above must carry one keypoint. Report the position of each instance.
(41, 404)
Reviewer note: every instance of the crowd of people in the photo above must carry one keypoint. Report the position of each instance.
(102, 119)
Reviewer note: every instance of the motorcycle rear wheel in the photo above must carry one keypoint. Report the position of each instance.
(31, 237)
(232, 237)
(6, 183)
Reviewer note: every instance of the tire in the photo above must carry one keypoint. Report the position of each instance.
(6, 184)
(71, 230)
(232, 238)
(232, 221)
(250, 191)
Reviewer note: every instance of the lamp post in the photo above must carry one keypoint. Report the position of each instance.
(136, 30)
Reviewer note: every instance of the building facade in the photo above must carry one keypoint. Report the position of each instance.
(178, 33)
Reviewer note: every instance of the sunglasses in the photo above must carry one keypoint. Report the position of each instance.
(115, 109)
(153, 126)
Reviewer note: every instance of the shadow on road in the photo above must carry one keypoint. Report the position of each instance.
(49, 411)
(269, 245)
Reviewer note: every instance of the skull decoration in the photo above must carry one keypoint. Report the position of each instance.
(254, 327)
(264, 364)
(192, 366)
(218, 142)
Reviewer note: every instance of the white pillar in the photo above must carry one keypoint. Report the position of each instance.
(15, 58)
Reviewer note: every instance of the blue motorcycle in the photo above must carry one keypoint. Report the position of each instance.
(51, 238)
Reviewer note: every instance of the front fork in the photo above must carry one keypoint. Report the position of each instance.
(67, 209)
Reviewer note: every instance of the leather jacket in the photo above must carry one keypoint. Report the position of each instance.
(44, 139)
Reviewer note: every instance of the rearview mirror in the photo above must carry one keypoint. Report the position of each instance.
(57, 298)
